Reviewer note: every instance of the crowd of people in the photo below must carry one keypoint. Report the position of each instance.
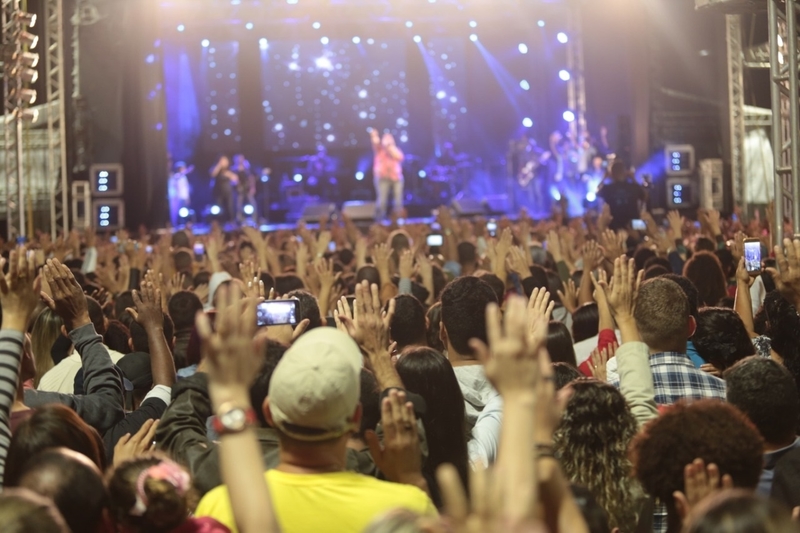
(555, 376)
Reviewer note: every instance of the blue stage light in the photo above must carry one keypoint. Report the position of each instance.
(528, 123)
(183, 212)
(215, 210)
(249, 210)
(298, 178)
(359, 176)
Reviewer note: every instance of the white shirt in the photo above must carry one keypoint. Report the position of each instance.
(61, 378)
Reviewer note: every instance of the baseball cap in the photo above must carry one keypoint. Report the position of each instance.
(316, 386)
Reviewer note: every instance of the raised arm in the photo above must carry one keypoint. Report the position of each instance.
(149, 315)
(19, 295)
(742, 303)
(234, 360)
(102, 406)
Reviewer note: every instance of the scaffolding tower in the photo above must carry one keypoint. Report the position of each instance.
(785, 111)
(779, 54)
(57, 172)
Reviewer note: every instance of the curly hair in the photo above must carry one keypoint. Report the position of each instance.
(593, 439)
(166, 506)
(711, 430)
(721, 338)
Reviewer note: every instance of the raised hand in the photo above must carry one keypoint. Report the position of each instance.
(68, 300)
(599, 359)
(613, 244)
(232, 357)
(621, 295)
(406, 265)
(399, 456)
(539, 309)
(787, 277)
(19, 291)
(140, 443)
(569, 296)
(148, 312)
(517, 262)
(699, 482)
(511, 360)
(592, 256)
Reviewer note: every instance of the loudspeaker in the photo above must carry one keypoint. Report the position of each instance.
(359, 210)
(314, 212)
(466, 207)
(109, 214)
(497, 204)
(712, 194)
(107, 180)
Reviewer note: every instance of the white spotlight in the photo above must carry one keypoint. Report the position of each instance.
(562, 37)
(205, 43)
(473, 38)
(564, 75)
(523, 48)
(417, 39)
(569, 116)
(263, 43)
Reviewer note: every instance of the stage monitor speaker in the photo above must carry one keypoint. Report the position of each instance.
(81, 205)
(682, 193)
(497, 204)
(712, 194)
(107, 180)
(468, 207)
(314, 212)
(359, 210)
(108, 214)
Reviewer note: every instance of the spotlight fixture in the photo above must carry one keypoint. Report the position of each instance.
(564, 75)
(26, 19)
(249, 210)
(569, 116)
(562, 37)
(28, 39)
(28, 96)
(28, 75)
(26, 59)
(28, 115)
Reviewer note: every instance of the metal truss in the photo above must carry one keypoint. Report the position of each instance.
(576, 86)
(785, 111)
(736, 105)
(57, 172)
(12, 124)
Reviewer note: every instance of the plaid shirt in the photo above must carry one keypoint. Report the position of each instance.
(676, 378)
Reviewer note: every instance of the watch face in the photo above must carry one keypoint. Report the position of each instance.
(234, 420)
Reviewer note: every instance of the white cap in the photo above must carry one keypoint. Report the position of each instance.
(316, 386)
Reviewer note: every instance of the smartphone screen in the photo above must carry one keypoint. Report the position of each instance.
(276, 313)
(491, 227)
(114, 239)
(148, 249)
(332, 247)
(435, 240)
(752, 255)
(638, 224)
(199, 251)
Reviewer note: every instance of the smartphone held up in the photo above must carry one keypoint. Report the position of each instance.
(752, 256)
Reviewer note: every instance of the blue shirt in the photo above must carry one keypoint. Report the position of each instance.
(768, 474)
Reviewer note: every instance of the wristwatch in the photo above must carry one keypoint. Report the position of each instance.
(231, 419)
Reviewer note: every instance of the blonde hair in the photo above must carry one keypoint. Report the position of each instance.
(592, 440)
(46, 330)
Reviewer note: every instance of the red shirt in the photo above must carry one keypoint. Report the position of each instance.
(387, 167)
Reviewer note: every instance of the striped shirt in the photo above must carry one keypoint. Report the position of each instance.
(10, 354)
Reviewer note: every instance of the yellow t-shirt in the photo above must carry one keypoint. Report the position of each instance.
(339, 502)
